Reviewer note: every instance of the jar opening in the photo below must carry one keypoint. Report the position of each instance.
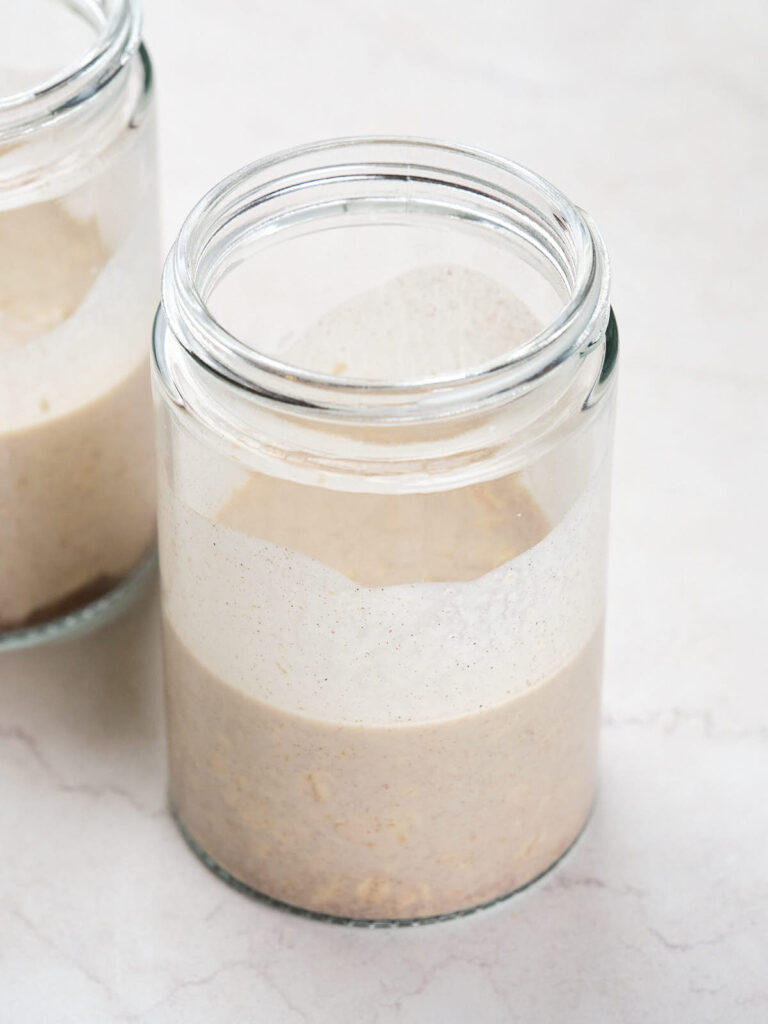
(405, 224)
(56, 54)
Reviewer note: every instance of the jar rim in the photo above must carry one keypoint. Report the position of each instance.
(183, 309)
(118, 36)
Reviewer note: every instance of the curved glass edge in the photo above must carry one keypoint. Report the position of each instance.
(98, 613)
(356, 922)
(610, 358)
(119, 24)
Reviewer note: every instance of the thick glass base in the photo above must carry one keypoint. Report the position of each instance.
(246, 890)
(91, 616)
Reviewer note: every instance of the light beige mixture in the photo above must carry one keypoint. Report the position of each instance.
(76, 489)
(385, 539)
(382, 823)
(49, 262)
(385, 822)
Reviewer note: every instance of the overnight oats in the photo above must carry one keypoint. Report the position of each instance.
(384, 458)
(78, 264)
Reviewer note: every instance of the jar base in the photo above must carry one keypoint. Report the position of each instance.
(96, 613)
(314, 915)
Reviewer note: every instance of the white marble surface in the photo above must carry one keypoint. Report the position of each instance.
(653, 116)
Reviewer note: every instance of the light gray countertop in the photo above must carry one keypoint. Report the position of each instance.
(653, 117)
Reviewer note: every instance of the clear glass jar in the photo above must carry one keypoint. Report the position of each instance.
(384, 395)
(79, 259)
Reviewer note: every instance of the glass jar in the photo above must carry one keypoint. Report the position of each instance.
(384, 379)
(79, 259)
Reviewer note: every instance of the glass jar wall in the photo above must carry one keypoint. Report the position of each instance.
(384, 386)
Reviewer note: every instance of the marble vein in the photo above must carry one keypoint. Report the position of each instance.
(30, 743)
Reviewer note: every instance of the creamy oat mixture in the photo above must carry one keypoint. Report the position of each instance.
(76, 491)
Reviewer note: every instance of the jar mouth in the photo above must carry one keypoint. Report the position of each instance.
(117, 35)
(505, 195)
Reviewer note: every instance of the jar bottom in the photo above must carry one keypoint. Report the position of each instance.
(112, 600)
(357, 922)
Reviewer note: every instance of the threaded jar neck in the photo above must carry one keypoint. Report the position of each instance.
(341, 182)
(115, 29)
